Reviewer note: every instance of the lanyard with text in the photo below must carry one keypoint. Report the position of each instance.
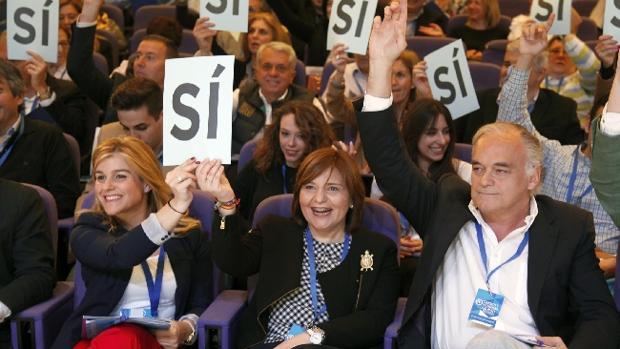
(571, 182)
(154, 288)
(483, 252)
(284, 186)
(312, 270)
(4, 154)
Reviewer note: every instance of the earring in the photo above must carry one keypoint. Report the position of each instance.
(351, 206)
(147, 188)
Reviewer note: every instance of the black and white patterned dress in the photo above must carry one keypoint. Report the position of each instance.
(296, 307)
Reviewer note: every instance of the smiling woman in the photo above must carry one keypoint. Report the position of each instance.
(137, 228)
(298, 128)
(311, 289)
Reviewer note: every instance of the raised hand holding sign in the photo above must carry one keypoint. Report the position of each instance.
(350, 22)
(228, 15)
(198, 108)
(542, 9)
(32, 25)
(450, 79)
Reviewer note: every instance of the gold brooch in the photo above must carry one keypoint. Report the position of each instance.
(366, 261)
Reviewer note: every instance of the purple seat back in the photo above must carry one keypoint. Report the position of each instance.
(484, 75)
(494, 52)
(462, 151)
(144, 14)
(328, 69)
(101, 63)
(423, 45)
(246, 154)
(115, 13)
(74, 148)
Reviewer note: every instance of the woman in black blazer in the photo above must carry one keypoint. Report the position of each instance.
(138, 231)
(322, 278)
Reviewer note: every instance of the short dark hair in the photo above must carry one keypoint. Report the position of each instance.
(328, 159)
(137, 92)
(171, 48)
(166, 27)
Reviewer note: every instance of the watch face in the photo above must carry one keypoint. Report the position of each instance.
(316, 338)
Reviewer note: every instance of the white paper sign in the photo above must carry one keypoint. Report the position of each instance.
(611, 24)
(542, 9)
(32, 25)
(350, 23)
(450, 79)
(198, 108)
(228, 15)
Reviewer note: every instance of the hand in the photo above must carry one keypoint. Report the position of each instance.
(338, 57)
(90, 10)
(608, 266)
(420, 80)
(299, 339)
(575, 21)
(349, 149)
(174, 336)
(204, 35)
(473, 55)
(409, 246)
(387, 38)
(555, 342)
(182, 180)
(534, 37)
(606, 49)
(433, 29)
(37, 69)
(211, 179)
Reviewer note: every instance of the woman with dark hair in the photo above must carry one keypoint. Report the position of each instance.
(311, 289)
(141, 255)
(298, 128)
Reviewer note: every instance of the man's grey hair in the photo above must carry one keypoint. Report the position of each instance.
(533, 147)
(12, 77)
(538, 63)
(281, 47)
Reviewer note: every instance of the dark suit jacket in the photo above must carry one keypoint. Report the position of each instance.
(41, 156)
(108, 259)
(554, 116)
(567, 294)
(431, 14)
(27, 274)
(360, 304)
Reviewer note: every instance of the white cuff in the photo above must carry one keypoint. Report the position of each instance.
(372, 103)
(84, 24)
(154, 231)
(5, 312)
(610, 123)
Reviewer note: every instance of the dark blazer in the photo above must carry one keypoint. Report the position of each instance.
(27, 274)
(360, 303)
(567, 294)
(554, 116)
(41, 156)
(108, 259)
(81, 67)
(431, 14)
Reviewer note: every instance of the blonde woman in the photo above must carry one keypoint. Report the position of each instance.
(141, 255)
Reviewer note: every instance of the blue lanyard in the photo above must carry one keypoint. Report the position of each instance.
(318, 311)
(571, 182)
(4, 154)
(154, 288)
(483, 252)
(284, 186)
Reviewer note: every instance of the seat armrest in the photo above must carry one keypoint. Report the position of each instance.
(217, 322)
(391, 332)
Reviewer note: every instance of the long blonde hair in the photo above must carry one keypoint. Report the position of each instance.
(142, 160)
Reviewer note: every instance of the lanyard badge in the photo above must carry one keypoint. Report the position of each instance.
(488, 305)
(154, 287)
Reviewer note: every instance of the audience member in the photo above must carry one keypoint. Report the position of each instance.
(27, 259)
(254, 100)
(149, 60)
(554, 116)
(59, 69)
(298, 129)
(425, 18)
(606, 50)
(33, 151)
(311, 289)
(571, 72)
(138, 228)
(567, 167)
(560, 296)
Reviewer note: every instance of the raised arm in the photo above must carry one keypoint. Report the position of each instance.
(586, 61)
(400, 180)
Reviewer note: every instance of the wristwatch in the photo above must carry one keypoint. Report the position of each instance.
(317, 335)
(192, 336)
(45, 95)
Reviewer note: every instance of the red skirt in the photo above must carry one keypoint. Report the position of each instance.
(123, 336)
